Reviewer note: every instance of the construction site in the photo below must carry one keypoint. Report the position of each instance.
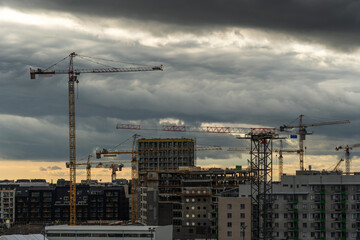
(169, 189)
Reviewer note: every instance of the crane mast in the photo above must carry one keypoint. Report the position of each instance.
(73, 78)
(72, 139)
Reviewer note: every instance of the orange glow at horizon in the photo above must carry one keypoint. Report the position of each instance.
(52, 171)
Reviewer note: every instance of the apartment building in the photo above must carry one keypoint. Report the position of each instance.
(234, 211)
(41, 202)
(316, 205)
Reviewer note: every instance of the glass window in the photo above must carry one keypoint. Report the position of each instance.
(229, 206)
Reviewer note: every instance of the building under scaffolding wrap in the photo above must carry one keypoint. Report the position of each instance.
(165, 153)
(187, 199)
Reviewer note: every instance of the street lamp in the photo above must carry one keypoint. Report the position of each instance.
(151, 230)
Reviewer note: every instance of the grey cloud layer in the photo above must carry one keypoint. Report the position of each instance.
(324, 21)
(251, 85)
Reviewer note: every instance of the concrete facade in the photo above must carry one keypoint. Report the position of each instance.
(234, 218)
(316, 205)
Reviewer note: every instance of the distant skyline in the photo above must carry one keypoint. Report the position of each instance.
(226, 63)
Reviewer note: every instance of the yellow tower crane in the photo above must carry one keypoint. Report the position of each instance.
(73, 75)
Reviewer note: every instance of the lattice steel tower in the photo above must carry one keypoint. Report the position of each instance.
(261, 162)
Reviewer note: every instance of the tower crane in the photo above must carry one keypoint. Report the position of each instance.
(347, 149)
(114, 166)
(73, 75)
(303, 132)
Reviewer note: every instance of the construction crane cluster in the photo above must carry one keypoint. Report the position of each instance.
(303, 132)
(261, 148)
(73, 77)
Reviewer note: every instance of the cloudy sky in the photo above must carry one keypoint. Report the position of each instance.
(226, 63)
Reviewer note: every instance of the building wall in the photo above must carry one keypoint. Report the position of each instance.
(7, 206)
(234, 218)
(320, 206)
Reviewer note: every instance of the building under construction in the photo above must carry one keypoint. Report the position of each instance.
(165, 153)
(186, 198)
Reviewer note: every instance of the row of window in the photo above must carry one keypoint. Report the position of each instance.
(230, 224)
(229, 206)
(229, 234)
(313, 234)
(230, 215)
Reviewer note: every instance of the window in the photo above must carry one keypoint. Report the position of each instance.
(229, 206)
(229, 233)
(229, 215)
(229, 224)
(242, 206)
(276, 215)
(304, 215)
(242, 215)
(304, 225)
(276, 206)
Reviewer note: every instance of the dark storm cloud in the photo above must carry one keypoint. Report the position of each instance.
(263, 84)
(323, 21)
